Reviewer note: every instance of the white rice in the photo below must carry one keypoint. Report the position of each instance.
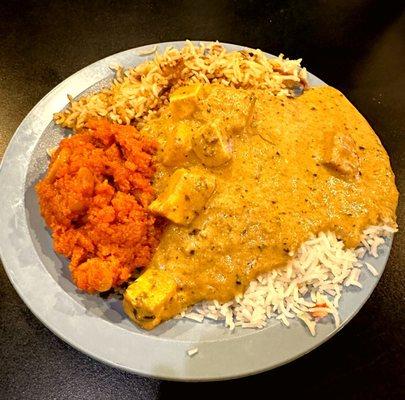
(308, 288)
(147, 51)
(192, 352)
(372, 269)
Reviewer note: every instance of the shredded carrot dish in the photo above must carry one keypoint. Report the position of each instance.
(95, 197)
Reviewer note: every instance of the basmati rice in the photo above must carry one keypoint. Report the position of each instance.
(308, 288)
(137, 93)
(192, 352)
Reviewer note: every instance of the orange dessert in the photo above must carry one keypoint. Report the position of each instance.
(95, 197)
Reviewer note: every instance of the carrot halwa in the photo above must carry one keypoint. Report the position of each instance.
(95, 197)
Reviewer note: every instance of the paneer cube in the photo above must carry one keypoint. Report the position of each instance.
(145, 299)
(183, 101)
(341, 154)
(185, 196)
(178, 146)
(210, 145)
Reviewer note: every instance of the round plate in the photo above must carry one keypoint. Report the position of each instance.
(100, 328)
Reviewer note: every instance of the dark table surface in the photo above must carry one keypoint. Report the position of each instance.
(356, 46)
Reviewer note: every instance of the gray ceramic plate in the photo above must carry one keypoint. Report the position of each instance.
(100, 328)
